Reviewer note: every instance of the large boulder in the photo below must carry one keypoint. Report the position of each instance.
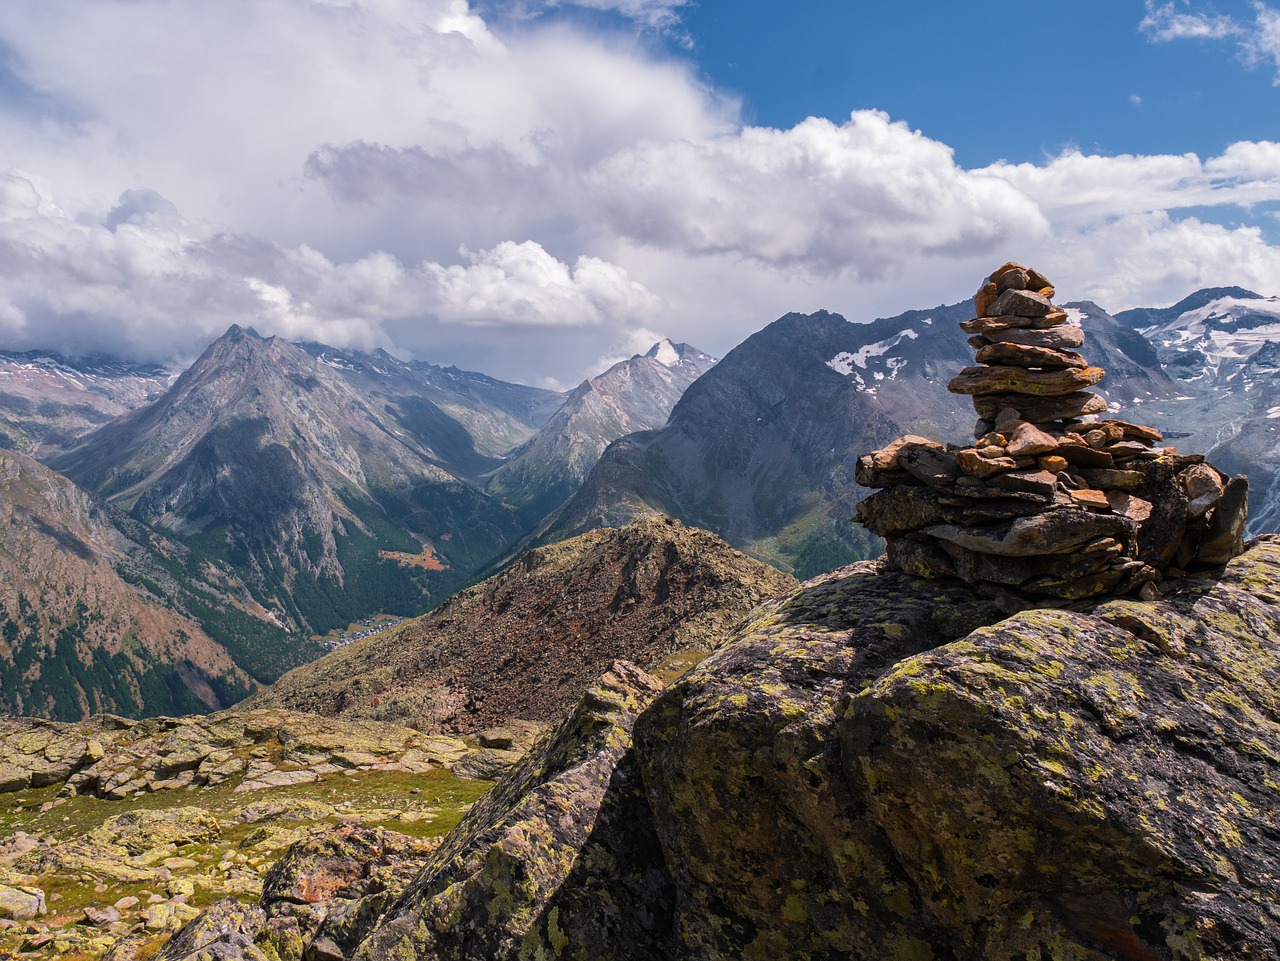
(223, 932)
(325, 883)
(883, 767)
(21, 903)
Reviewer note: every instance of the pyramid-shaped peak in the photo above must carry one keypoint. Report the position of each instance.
(670, 354)
(236, 332)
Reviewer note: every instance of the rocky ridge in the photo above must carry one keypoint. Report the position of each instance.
(1051, 503)
(526, 643)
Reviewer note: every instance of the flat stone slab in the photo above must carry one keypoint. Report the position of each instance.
(1012, 571)
(270, 779)
(1024, 355)
(929, 465)
(886, 458)
(1040, 410)
(975, 465)
(1018, 380)
(1062, 337)
(1053, 532)
(1112, 480)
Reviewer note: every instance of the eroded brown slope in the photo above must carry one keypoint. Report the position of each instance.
(75, 638)
(527, 642)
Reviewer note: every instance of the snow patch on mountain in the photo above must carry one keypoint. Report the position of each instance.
(845, 361)
(665, 353)
(1213, 340)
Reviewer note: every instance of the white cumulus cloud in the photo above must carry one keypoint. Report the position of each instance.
(861, 196)
(522, 283)
(1258, 42)
(529, 202)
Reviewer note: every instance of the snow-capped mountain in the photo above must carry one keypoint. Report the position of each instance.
(1221, 346)
(1207, 338)
(670, 354)
(48, 400)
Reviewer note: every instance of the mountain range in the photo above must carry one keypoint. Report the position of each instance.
(762, 449)
(268, 458)
(318, 486)
(323, 485)
(47, 400)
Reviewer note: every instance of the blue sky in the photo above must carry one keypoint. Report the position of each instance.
(536, 187)
(995, 80)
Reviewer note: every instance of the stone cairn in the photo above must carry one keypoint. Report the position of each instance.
(1055, 504)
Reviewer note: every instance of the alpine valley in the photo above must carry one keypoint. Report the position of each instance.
(276, 497)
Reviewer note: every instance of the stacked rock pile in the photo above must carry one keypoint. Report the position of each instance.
(1050, 505)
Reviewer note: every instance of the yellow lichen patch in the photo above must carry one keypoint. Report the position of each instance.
(793, 909)
(907, 948)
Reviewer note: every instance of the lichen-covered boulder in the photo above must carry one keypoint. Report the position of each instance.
(559, 861)
(223, 932)
(21, 903)
(775, 853)
(869, 771)
(140, 831)
(320, 878)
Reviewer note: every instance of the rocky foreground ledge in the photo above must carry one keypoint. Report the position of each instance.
(115, 833)
(880, 767)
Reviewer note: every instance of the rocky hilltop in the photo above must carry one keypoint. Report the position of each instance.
(527, 642)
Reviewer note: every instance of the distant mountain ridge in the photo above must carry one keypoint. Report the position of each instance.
(632, 395)
(263, 456)
(317, 485)
(762, 449)
(493, 414)
(1221, 346)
